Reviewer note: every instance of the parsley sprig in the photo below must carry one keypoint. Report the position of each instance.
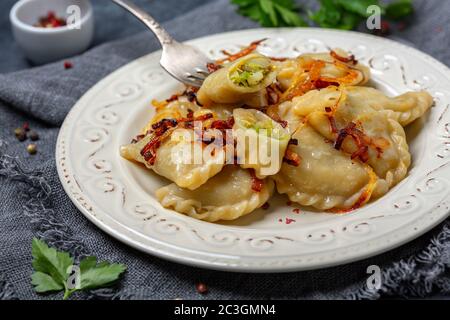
(338, 14)
(271, 13)
(51, 271)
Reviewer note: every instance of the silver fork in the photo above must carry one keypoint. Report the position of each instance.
(183, 62)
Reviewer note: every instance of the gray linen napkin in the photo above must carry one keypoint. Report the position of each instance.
(33, 203)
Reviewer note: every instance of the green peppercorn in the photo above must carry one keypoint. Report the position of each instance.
(33, 135)
(31, 148)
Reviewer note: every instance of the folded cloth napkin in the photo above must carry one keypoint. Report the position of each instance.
(33, 203)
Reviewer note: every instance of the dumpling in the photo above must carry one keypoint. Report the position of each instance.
(242, 81)
(176, 159)
(178, 154)
(326, 67)
(227, 196)
(325, 178)
(405, 108)
(260, 142)
(360, 131)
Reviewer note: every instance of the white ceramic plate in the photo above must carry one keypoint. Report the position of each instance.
(118, 196)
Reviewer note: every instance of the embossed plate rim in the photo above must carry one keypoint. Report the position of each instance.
(225, 261)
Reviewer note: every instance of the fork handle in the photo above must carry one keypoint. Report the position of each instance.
(163, 36)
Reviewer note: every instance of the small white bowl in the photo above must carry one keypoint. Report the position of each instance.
(43, 45)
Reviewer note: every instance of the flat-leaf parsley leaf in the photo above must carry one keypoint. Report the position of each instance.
(271, 13)
(338, 14)
(52, 266)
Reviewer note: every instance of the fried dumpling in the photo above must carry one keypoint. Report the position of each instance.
(227, 196)
(238, 82)
(405, 108)
(325, 178)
